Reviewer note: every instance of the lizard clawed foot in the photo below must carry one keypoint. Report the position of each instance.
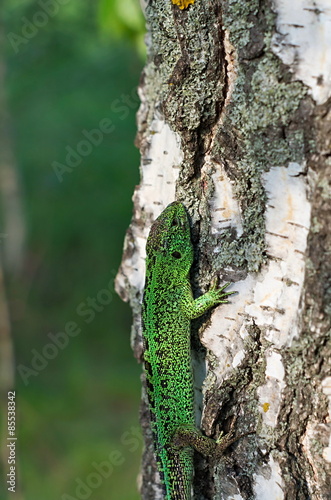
(225, 440)
(217, 292)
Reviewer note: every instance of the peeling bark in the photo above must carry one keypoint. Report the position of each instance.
(235, 122)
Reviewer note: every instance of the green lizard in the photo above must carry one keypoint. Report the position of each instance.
(168, 308)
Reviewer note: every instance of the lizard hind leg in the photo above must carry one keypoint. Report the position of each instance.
(191, 436)
(188, 435)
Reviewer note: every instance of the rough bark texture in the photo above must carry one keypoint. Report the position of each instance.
(229, 129)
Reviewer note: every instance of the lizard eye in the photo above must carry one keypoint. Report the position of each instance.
(174, 223)
(177, 255)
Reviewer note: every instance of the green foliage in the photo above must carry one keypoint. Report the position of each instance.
(123, 19)
(64, 80)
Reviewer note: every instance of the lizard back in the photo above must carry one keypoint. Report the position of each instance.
(166, 337)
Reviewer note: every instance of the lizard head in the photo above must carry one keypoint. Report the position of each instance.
(169, 240)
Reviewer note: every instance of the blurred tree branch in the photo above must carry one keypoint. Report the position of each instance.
(12, 212)
(12, 238)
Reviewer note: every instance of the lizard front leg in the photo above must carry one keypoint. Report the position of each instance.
(193, 308)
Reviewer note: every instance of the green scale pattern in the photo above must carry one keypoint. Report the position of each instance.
(168, 308)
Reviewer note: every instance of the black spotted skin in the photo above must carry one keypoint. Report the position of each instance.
(168, 308)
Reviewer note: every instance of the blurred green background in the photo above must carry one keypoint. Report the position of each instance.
(70, 70)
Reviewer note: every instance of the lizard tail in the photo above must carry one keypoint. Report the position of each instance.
(179, 475)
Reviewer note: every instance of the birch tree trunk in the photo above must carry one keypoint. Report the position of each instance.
(235, 122)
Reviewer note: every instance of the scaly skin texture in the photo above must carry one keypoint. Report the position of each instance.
(168, 308)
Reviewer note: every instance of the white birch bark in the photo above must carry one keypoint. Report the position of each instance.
(235, 122)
